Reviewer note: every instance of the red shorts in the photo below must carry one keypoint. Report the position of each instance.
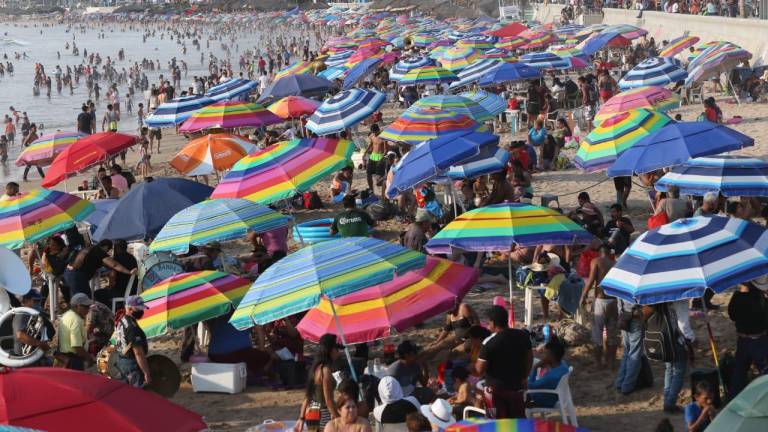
(605, 94)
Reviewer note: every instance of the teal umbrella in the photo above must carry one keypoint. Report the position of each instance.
(747, 412)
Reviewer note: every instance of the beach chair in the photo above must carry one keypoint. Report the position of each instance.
(551, 119)
(564, 403)
(473, 412)
(128, 287)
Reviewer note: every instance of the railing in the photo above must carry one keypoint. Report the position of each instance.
(752, 8)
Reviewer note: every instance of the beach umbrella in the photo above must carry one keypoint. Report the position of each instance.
(215, 220)
(731, 176)
(359, 71)
(299, 67)
(284, 169)
(422, 124)
(475, 71)
(700, 47)
(490, 102)
(100, 209)
(211, 153)
(291, 107)
(231, 89)
(682, 259)
(344, 110)
(38, 214)
(458, 104)
(677, 45)
(296, 85)
(424, 75)
(497, 54)
(714, 61)
(148, 206)
(654, 71)
(169, 114)
(422, 39)
(598, 41)
(537, 39)
(406, 64)
(509, 72)
(44, 149)
(478, 41)
(360, 55)
(332, 269)
(747, 412)
(512, 425)
(615, 135)
(85, 153)
(339, 58)
(372, 42)
(565, 51)
(391, 307)
(229, 115)
(483, 164)
(648, 97)
(333, 73)
(14, 275)
(87, 400)
(568, 29)
(509, 30)
(429, 160)
(511, 43)
(545, 60)
(189, 298)
(675, 144)
(437, 52)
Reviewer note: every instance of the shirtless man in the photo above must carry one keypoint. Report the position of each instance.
(376, 149)
(606, 311)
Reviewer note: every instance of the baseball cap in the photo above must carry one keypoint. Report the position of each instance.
(329, 341)
(80, 299)
(135, 302)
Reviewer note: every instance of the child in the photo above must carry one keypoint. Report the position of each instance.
(144, 166)
(700, 412)
(463, 396)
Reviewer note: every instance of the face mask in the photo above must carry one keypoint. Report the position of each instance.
(138, 314)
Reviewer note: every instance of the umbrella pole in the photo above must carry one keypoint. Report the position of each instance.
(713, 346)
(343, 341)
(509, 276)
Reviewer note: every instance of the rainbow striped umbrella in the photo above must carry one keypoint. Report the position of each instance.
(490, 102)
(511, 43)
(388, 308)
(406, 64)
(615, 135)
(27, 218)
(677, 45)
(512, 425)
(458, 104)
(427, 75)
(284, 169)
(715, 61)
(229, 115)
(189, 298)
(372, 42)
(423, 124)
(215, 220)
(291, 107)
(437, 52)
(169, 114)
(565, 51)
(299, 67)
(333, 268)
(656, 71)
(497, 54)
(701, 47)
(459, 57)
(362, 54)
(536, 39)
(422, 39)
(344, 110)
(649, 97)
(478, 41)
(44, 149)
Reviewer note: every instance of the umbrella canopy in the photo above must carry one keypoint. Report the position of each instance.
(339, 58)
(344, 110)
(615, 135)
(189, 298)
(654, 71)
(430, 159)
(479, 41)
(498, 227)
(681, 259)
(408, 63)
(284, 169)
(511, 43)
(169, 114)
(458, 104)
(677, 45)
(649, 97)
(231, 89)
(489, 161)
(509, 30)
(512, 425)
(210, 153)
(458, 57)
(427, 75)
(296, 85)
(333, 268)
(85, 153)
(394, 306)
(509, 72)
(40, 213)
(415, 126)
(498, 54)
(747, 412)
(475, 71)
(229, 115)
(14, 275)
(44, 149)
(715, 60)
(215, 220)
(537, 39)
(359, 71)
(675, 144)
(89, 401)
(148, 206)
(291, 107)
(491, 102)
(100, 210)
(299, 67)
(730, 176)
(545, 60)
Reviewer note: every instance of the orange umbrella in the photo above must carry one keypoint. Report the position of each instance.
(213, 152)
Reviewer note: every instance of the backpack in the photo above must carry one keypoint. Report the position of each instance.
(381, 211)
(661, 335)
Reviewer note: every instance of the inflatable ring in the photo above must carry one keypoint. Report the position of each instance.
(313, 231)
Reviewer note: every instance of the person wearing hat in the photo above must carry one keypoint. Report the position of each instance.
(319, 406)
(439, 413)
(395, 407)
(72, 335)
(132, 346)
(21, 339)
(415, 237)
(748, 309)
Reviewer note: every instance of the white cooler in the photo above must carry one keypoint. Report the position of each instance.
(219, 377)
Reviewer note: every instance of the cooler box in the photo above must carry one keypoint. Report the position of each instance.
(219, 377)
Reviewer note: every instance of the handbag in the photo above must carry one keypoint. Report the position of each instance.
(658, 220)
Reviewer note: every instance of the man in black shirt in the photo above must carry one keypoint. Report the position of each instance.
(618, 230)
(84, 121)
(748, 309)
(505, 359)
(132, 345)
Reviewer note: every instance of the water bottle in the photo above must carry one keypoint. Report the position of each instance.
(547, 332)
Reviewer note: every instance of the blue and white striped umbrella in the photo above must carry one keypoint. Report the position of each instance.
(545, 60)
(404, 65)
(728, 175)
(681, 259)
(169, 114)
(482, 165)
(568, 29)
(344, 110)
(491, 102)
(333, 72)
(234, 88)
(475, 71)
(339, 58)
(657, 71)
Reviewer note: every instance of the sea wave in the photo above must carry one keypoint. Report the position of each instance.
(7, 41)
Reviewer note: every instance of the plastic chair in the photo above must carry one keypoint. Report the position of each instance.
(551, 119)
(127, 293)
(470, 411)
(564, 403)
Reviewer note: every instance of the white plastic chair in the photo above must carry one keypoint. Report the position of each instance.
(473, 412)
(127, 293)
(564, 403)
